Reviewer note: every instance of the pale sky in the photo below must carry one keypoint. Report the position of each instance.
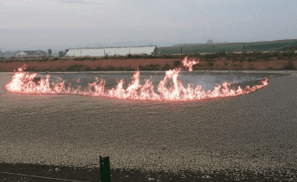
(60, 24)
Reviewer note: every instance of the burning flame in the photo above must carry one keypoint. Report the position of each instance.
(23, 82)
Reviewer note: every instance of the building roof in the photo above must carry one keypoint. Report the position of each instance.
(107, 51)
(32, 53)
(115, 47)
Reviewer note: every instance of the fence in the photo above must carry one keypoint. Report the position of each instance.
(104, 173)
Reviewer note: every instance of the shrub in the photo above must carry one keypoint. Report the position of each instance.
(169, 56)
(211, 56)
(260, 55)
(177, 63)
(74, 67)
(291, 53)
(275, 54)
(242, 58)
(289, 66)
(129, 69)
(269, 68)
(86, 68)
(111, 68)
(151, 57)
(250, 59)
(98, 68)
(141, 67)
(121, 57)
(151, 67)
(166, 67)
(121, 69)
(59, 69)
(77, 58)
(11, 59)
(137, 56)
(86, 58)
(225, 63)
(210, 63)
(285, 54)
(148, 67)
(30, 69)
(156, 67)
(222, 53)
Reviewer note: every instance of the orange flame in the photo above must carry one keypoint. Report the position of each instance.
(189, 64)
(23, 82)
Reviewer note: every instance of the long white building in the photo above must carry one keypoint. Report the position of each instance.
(110, 51)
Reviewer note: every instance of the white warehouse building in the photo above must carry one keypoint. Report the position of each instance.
(110, 51)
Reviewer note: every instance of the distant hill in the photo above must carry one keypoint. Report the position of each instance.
(187, 45)
(193, 48)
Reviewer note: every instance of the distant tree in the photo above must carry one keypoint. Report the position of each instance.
(49, 51)
(156, 51)
(61, 54)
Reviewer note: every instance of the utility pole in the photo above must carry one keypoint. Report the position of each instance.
(181, 51)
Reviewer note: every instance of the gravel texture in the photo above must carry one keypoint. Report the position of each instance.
(253, 132)
(49, 173)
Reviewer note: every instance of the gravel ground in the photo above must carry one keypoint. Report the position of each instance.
(45, 173)
(253, 132)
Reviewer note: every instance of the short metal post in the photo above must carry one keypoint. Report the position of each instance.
(105, 169)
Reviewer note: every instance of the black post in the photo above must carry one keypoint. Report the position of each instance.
(105, 169)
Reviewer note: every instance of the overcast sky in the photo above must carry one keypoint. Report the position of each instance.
(56, 24)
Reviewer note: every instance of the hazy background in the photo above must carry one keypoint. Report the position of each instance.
(60, 24)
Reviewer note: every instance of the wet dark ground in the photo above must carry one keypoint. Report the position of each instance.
(207, 80)
(134, 175)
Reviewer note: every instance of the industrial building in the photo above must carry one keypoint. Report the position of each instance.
(33, 53)
(111, 51)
